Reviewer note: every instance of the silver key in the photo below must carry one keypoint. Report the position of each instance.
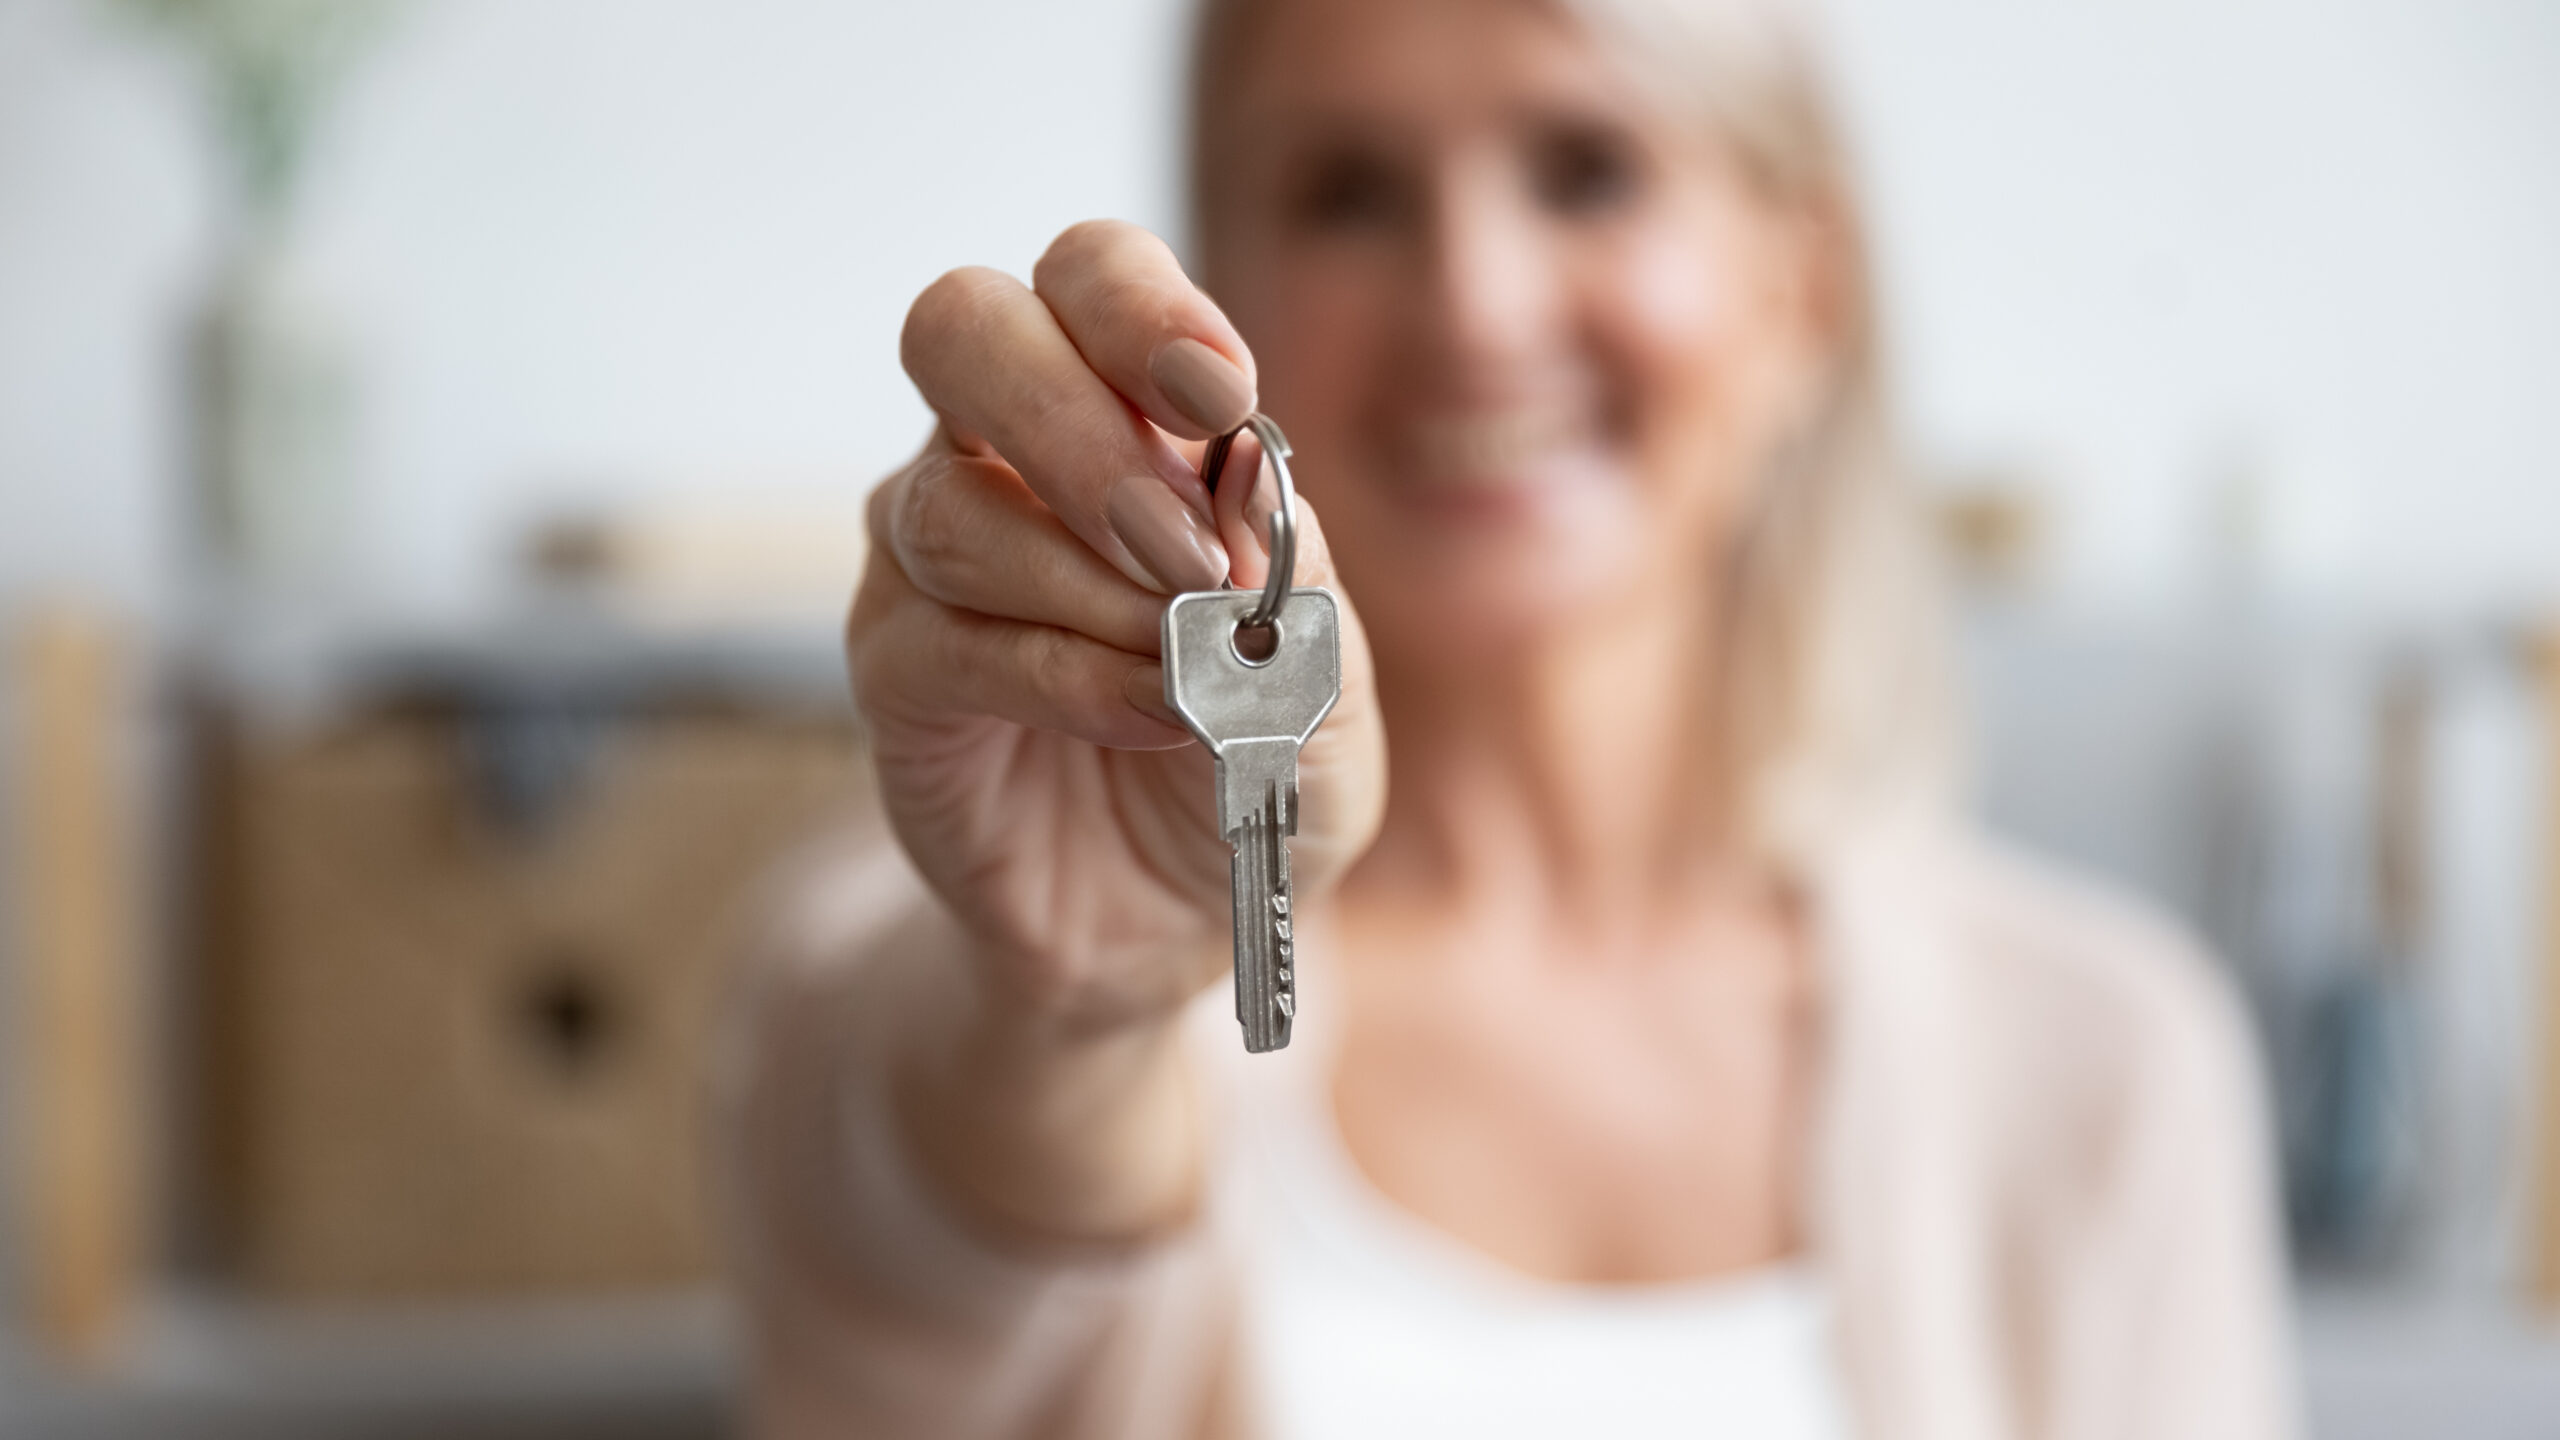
(1253, 716)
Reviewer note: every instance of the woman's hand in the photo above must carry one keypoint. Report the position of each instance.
(1004, 650)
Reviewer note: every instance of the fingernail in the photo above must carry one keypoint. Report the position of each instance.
(1167, 536)
(1145, 689)
(1203, 384)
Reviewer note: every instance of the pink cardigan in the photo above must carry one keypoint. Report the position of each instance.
(2041, 1199)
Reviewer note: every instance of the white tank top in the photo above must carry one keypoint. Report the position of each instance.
(1365, 1321)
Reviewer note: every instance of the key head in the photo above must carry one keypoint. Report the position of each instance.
(1222, 695)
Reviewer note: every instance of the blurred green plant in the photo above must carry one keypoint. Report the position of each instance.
(270, 65)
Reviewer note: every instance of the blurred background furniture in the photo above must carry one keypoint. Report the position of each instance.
(78, 1039)
(433, 1019)
(466, 948)
(2546, 1213)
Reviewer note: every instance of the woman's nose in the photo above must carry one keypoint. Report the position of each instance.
(1491, 293)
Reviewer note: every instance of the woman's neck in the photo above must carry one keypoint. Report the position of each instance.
(1571, 781)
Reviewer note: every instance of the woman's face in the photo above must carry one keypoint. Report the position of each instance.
(1531, 339)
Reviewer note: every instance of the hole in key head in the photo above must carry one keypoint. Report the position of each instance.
(1255, 644)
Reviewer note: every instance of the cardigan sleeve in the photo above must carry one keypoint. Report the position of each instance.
(868, 1308)
(2153, 1304)
(2209, 1354)
(2129, 1201)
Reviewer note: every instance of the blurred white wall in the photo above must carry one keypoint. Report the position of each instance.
(589, 245)
(596, 246)
(2140, 246)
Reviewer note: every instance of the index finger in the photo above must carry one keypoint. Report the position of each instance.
(993, 363)
(1158, 339)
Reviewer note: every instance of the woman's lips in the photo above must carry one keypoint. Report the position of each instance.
(1489, 447)
(1496, 455)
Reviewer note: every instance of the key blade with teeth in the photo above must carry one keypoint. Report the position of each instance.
(1253, 709)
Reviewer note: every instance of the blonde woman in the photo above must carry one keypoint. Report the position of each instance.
(1671, 1059)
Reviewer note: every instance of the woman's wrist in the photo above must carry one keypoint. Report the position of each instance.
(1041, 1126)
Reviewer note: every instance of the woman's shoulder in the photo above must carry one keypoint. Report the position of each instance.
(2097, 1025)
(2065, 949)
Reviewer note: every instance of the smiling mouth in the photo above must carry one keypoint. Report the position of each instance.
(1493, 451)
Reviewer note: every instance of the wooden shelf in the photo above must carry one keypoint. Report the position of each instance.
(213, 1366)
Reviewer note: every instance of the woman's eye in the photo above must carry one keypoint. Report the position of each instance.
(1585, 172)
(1344, 192)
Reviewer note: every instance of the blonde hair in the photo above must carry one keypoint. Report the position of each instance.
(1836, 708)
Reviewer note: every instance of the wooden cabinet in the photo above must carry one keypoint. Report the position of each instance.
(462, 969)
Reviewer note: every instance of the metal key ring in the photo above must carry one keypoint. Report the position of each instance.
(1284, 520)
